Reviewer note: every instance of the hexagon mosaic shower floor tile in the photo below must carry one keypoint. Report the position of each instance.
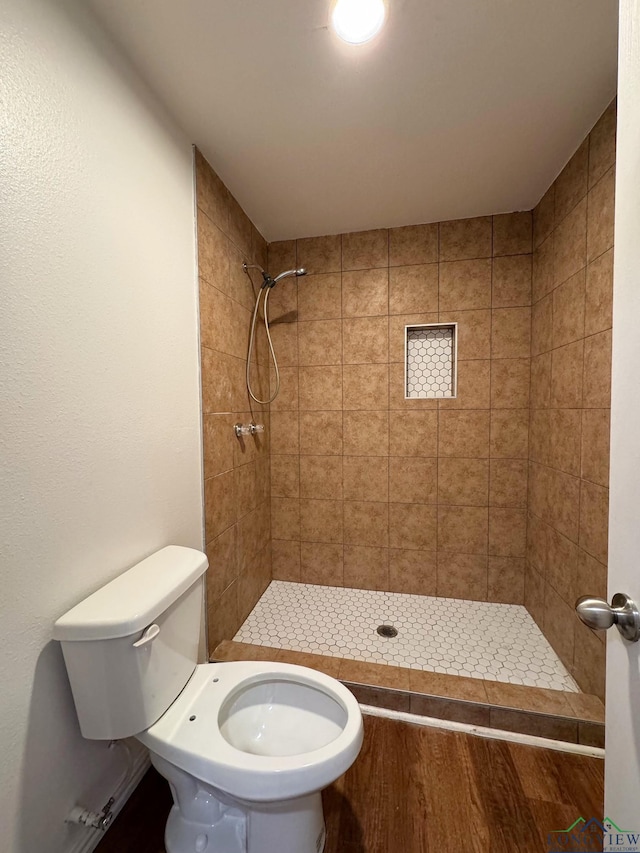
(497, 642)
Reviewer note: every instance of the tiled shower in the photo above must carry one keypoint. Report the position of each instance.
(497, 495)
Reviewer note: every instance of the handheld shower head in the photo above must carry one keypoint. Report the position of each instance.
(298, 272)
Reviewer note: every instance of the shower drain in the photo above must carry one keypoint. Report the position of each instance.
(387, 631)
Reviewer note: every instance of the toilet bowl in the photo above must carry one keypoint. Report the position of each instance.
(246, 746)
(251, 745)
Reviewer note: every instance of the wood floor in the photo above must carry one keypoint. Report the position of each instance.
(415, 789)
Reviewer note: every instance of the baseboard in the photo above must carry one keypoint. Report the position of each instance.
(88, 839)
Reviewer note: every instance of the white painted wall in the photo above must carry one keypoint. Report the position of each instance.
(99, 391)
(622, 764)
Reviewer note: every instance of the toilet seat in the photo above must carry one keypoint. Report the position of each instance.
(190, 733)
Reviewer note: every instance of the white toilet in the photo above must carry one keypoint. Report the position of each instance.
(246, 747)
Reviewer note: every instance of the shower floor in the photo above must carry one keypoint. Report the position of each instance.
(497, 642)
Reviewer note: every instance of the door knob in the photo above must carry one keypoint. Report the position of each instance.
(622, 612)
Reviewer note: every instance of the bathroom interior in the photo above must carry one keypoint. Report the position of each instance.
(397, 423)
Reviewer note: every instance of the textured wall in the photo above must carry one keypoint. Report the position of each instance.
(99, 417)
(236, 470)
(372, 490)
(570, 399)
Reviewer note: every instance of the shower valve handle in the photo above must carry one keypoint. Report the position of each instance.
(248, 429)
(622, 612)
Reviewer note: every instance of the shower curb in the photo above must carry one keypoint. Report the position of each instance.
(569, 717)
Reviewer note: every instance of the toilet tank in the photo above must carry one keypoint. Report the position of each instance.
(131, 647)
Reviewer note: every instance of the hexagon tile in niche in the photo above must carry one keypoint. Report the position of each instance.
(497, 642)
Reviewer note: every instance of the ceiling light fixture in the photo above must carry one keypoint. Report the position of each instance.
(358, 21)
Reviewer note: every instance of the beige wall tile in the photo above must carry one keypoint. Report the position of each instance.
(511, 281)
(568, 310)
(566, 376)
(564, 440)
(591, 576)
(599, 294)
(412, 526)
(589, 660)
(413, 479)
(365, 340)
(365, 249)
(320, 254)
(558, 624)
(465, 285)
(413, 433)
(594, 518)
(218, 439)
(287, 398)
(321, 433)
(412, 572)
(463, 482)
(282, 256)
(413, 289)
(561, 564)
(512, 233)
(472, 386)
(474, 332)
(320, 388)
(601, 215)
(462, 576)
(462, 239)
(540, 435)
(366, 478)
(366, 567)
(284, 335)
(595, 446)
(602, 145)
(540, 391)
(365, 386)
(285, 518)
(508, 483)
(544, 217)
(570, 243)
(505, 580)
(285, 432)
(366, 523)
(213, 253)
(365, 293)
(597, 371)
(543, 275)
(511, 333)
(542, 325)
(507, 532)
(534, 594)
(285, 560)
(366, 433)
(319, 296)
(562, 510)
(463, 529)
(509, 433)
(321, 521)
(285, 476)
(413, 244)
(464, 434)
(510, 379)
(219, 504)
(321, 477)
(222, 553)
(571, 183)
(321, 563)
(239, 226)
(283, 299)
(320, 342)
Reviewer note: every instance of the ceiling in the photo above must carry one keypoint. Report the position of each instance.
(459, 108)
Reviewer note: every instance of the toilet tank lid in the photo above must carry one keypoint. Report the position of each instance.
(135, 598)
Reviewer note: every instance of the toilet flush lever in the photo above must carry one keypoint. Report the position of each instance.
(149, 634)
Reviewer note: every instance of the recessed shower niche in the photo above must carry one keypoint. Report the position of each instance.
(430, 358)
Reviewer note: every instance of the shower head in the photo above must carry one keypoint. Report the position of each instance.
(298, 272)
